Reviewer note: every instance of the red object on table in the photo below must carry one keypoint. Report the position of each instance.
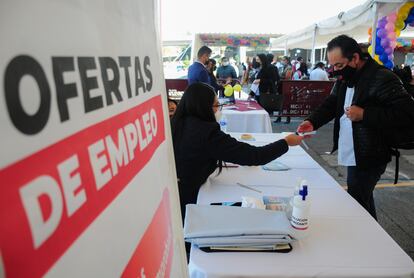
(244, 105)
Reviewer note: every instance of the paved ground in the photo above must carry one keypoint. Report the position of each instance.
(394, 203)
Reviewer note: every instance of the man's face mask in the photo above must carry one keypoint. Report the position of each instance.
(347, 73)
(225, 63)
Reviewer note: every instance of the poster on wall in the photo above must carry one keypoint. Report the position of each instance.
(87, 179)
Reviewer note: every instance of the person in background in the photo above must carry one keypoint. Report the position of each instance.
(200, 147)
(245, 79)
(367, 103)
(172, 106)
(406, 77)
(233, 63)
(300, 70)
(286, 69)
(272, 62)
(197, 72)
(285, 74)
(319, 73)
(241, 68)
(279, 64)
(297, 73)
(211, 67)
(266, 78)
(226, 70)
(255, 68)
(244, 67)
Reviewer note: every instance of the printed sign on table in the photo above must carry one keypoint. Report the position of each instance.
(87, 177)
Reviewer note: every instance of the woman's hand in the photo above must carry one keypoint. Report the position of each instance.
(256, 81)
(293, 140)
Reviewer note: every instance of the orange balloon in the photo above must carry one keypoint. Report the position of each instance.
(370, 31)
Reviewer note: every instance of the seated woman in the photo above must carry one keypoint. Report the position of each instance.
(200, 147)
(172, 106)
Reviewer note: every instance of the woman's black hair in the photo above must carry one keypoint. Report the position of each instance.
(173, 101)
(211, 60)
(270, 57)
(303, 68)
(255, 64)
(263, 59)
(319, 65)
(197, 101)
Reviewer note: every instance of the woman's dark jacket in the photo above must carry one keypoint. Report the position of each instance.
(269, 77)
(199, 147)
(214, 84)
(387, 108)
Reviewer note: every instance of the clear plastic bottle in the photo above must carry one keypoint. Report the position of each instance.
(223, 123)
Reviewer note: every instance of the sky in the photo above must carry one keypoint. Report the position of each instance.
(180, 18)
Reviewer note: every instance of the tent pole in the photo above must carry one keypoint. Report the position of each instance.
(286, 47)
(313, 45)
(374, 27)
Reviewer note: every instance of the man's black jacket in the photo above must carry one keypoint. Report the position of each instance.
(387, 108)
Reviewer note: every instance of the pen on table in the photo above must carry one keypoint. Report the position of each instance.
(230, 166)
(248, 187)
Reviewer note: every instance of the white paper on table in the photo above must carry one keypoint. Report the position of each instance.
(254, 88)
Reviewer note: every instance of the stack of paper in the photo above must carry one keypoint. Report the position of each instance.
(236, 227)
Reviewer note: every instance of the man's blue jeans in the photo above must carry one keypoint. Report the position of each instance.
(361, 184)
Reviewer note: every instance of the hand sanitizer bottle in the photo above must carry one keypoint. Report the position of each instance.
(300, 211)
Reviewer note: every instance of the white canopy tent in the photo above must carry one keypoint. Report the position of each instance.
(354, 23)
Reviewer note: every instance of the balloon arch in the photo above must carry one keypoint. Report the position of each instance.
(388, 31)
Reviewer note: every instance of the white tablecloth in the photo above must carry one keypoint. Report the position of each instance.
(248, 121)
(343, 239)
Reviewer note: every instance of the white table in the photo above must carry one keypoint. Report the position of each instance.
(255, 121)
(343, 239)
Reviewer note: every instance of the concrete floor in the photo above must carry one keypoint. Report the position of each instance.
(394, 203)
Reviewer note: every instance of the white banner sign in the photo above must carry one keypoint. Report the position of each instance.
(87, 178)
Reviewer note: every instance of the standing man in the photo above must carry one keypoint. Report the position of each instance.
(368, 102)
(319, 73)
(226, 71)
(197, 72)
